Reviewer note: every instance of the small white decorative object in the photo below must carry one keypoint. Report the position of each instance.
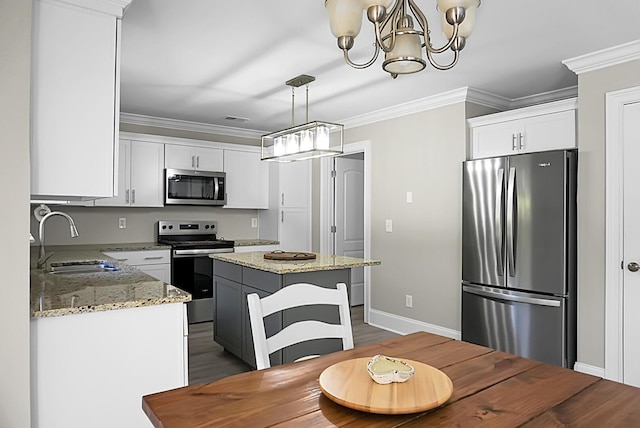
(384, 370)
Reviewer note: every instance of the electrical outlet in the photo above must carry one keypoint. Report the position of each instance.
(388, 226)
(254, 222)
(409, 197)
(122, 223)
(408, 301)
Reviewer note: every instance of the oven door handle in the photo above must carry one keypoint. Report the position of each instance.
(200, 252)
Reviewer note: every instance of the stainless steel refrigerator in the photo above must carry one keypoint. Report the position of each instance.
(519, 255)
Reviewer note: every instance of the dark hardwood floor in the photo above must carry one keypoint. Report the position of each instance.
(208, 361)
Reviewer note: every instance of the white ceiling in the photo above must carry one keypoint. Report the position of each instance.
(203, 60)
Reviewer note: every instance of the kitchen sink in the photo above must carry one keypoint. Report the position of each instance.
(90, 266)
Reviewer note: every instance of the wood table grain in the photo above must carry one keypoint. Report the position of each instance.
(490, 388)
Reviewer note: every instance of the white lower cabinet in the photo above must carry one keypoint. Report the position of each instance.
(156, 263)
(92, 369)
(140, 175)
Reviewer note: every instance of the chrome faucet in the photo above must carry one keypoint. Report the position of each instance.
(72, 227)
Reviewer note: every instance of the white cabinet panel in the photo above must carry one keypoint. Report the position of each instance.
(140, 176)
(532, 129)
(295, 229)
(92, 369)
(74, 89)
(247, 180)
(191, 157)
(161, 272)
(295, 181)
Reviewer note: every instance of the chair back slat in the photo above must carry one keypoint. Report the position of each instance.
(292, 296)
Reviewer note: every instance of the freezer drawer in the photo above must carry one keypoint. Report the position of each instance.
(524, 324)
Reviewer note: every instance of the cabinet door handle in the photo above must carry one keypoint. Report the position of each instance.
(282, 216)
(514, 144)
(126, 197)
(521, 139)
(133, 196)
(193, 161)
(282, 199)
(198, 162)
(153, 258)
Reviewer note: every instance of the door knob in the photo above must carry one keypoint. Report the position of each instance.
(633, 267)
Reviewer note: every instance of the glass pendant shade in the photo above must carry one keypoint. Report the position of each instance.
(467, 25)
(406, 55)
(311, 140)
(345, 17)
(368, 3)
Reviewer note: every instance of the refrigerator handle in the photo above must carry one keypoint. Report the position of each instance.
(510, 297)
(511, 226)
(498, 229)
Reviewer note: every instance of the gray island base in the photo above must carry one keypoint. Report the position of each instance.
(238, 274)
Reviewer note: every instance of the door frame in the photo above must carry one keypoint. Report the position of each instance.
(327, 209)
(614, 222)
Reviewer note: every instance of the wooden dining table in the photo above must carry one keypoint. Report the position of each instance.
(490, 388)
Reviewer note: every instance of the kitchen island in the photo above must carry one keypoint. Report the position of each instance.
(101, 340)
(239, 274)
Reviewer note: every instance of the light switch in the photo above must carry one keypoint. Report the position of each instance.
(409, 197)
(122, 223)
(254, 222)
(388, 226)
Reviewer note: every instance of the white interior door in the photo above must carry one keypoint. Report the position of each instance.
(631, 244)
(349, 211)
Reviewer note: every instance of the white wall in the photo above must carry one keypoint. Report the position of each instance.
(592, 87)
(15, 51)
(421, 153)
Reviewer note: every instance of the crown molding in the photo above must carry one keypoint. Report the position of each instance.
(184, 125)
(604, 58)
(466, 94)
(110, 7)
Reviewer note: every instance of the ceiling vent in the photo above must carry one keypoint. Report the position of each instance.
(237, 119)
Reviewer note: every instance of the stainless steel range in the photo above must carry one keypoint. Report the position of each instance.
(191, 267)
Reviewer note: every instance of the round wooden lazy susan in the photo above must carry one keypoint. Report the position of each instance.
(348, 383)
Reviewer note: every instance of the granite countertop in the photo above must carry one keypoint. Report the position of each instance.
(254, 242)
(256, 260)
(55, 295)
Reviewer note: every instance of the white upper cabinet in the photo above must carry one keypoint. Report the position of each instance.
(247, 180)
(140, 176)
(544, 127)
(194, 158)
(75, 99)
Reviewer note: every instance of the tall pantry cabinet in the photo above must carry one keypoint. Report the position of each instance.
(288, 218)
(75, 98)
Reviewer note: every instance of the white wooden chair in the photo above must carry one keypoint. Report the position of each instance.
(291, 296)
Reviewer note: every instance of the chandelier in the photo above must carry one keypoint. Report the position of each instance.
(395, 34)
(307, 141)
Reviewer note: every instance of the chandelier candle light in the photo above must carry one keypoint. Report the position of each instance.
(311, 140)
(395, 34)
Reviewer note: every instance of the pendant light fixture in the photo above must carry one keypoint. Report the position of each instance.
(395, 33)
(310, 140)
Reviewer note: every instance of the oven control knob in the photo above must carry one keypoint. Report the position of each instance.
(207, 226)
(164, 226)
(170, 227)
(213, 226)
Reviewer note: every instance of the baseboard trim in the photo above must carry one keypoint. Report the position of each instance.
(403, 325)
(589, 369)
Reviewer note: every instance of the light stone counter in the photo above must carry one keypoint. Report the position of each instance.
(254, 242)
(256, 260)
(64, 294)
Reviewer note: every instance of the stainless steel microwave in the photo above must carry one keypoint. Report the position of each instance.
(188, 187)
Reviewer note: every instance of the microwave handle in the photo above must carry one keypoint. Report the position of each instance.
(216, 188)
